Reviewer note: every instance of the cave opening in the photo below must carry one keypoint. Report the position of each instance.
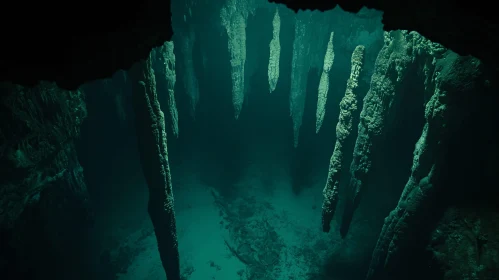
(243, 179)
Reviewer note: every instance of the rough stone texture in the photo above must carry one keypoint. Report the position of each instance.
(166, 79)
(234, 17)
(348, 109)
(466, 29)
(393, 67)
(151, 138)
(44, 209)
(428, 190)
(466, 243)
(72, 44)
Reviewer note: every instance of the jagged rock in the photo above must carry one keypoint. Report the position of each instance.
(43, 197)
(152, 142)
(394, 64)
(466, 244)
(166, 79)
(348, 108)
(424, 195)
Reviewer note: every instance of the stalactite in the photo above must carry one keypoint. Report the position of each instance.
(454, 77)
(324, 84)
(348, 108)
(391, 68)
(190, 80)
(166, 58)
(275, 52)
(234, 18)
(311, 35)
(300, 66)
(152, 143)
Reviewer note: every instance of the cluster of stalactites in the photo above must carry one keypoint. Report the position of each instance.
(344, 128)
(300, 65)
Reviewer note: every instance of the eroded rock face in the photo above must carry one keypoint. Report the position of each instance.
(446, 201)
(44, 211)
(152, 142)
(466, 243)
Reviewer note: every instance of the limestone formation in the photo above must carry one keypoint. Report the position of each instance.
(311, 36)
(393, 64)
(275, 52)
(453, 78)
(42, 183)
(166, 58)
(152, 142)
(348, 110)
(324, 84)
(234, 16)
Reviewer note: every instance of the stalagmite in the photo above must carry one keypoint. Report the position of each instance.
(390, 70)
(151, 137)
(166, 58)
(348, 108)
(234, 16)
(454, 77)
(324, 84)
(300, 66)
(275, 52)
(190, 79)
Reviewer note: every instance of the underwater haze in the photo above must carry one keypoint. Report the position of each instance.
(248, 202)
(305, 146)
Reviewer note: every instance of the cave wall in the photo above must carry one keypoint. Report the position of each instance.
(44, 207)
(71, 73)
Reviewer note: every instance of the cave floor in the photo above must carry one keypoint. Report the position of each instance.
(263, 231)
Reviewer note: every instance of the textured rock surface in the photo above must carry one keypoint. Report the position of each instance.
(465, 242)
(393, 66)
(44, 209)
(234, 17)
(428, 191)
(151, 138)
(348, 109)
(166, 79)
